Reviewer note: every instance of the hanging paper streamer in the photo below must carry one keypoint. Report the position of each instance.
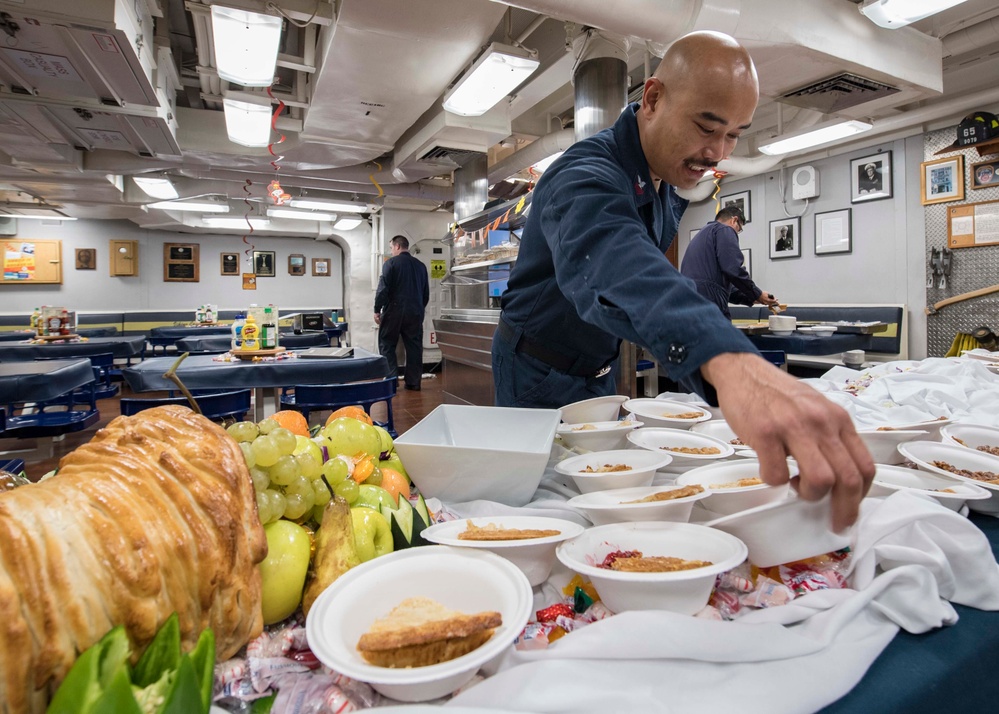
(270, 147)
(719, 175)
(371, 177)
(249, 207)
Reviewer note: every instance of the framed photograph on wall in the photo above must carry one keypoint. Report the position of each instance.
(942, 180)
(832, 232)
(86, 258)
(740, 201)
(296, 264)
(747, 260)
(785, 238)
(321, 266)
(870, 178)
(263, 263)
(229, 263)
(181, 263)
(985, 174)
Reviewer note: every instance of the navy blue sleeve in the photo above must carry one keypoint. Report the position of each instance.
(617, 278)
(384, 285)
(730, 261)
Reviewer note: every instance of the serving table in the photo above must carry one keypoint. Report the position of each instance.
(203, 372)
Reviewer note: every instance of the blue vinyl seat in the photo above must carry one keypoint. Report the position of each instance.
(55, 417)
(308, 398)
(103, 366)
(217, 406)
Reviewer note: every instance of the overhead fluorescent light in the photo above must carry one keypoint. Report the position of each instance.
(815, 136)
(496, 73)
(248, 123)
(899, 13)
(54, 216)
(246, 45)
(300, 215)
(347, 224)
(161, 188)
(234, 222)
(192, 204)
(339, 207)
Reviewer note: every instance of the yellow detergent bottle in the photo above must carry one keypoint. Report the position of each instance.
(250, 334)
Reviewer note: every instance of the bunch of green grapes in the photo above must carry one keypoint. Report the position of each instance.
(287, 484)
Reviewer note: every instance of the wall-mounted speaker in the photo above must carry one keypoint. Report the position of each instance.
(8, 226)
(804, 183)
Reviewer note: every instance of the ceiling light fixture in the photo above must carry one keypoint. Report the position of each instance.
(496, 73)
(815, 136)
(300, 215)
(235, 222)
(161, 188)
(899, 13)
(246, 45)
(54, 216)
(341, 207)
(248, 123)
(204, 205)
(348, 224)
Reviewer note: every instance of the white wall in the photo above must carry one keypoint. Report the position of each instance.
(887, 262)
(95, 290)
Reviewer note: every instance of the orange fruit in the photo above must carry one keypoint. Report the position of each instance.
(292, 421)
(353, 412)
(395, 483)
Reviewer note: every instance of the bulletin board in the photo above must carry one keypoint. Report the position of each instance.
(972, 225)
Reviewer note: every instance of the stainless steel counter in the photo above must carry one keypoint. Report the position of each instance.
(465, 338)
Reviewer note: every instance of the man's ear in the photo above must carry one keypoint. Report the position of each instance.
(653, 95)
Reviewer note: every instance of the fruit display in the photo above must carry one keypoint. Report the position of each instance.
(283, 571)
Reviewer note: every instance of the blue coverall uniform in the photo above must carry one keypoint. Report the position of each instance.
(591, 271)
(713, 260)
(402, 296)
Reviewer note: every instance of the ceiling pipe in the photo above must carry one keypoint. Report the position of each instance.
(971, 38)
(531, 154)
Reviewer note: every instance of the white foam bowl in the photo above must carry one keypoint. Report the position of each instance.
(883, 445)
(719, 429)
(660, 440)
(596, 409)
(684, 591)
(924, 453)
(655, 412)
(463, 453)
(462, 579)
(785, 531)
(726, 501)
(889, 479)
(818, 330)
(970, 435)
(534, 556)
(603, 507)
(981, 355)
(932, 427)
(604, 435)
(643, 466)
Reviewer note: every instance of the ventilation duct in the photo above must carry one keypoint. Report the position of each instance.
(835, 94)
(471, 188)
(600, 81)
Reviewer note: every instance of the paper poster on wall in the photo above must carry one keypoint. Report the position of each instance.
(18, 261)
(438, 269)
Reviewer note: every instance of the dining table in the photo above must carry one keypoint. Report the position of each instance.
(265, 376)
(40, 381)
(21, 335)
(222, 343)
(799, 343)
(121, 346)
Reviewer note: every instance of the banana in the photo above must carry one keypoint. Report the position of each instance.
(335, 550)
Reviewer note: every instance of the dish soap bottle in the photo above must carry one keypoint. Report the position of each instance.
(250, 334)
(237, 331)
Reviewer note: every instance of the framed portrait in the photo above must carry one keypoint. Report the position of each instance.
(942, 180)
(785, 238)
(86, 258)
(747, 260)
(181, 263)
(870, 178)
(985, 174)
(693, 234)
(321, 266)
(740, 201)
(263, 263)
(229, 264)
(296, 264)
(832, 232)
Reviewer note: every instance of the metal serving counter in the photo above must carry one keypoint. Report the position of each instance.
(465, 338)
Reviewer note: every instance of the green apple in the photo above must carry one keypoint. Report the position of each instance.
(349, 437)
(305, 445)
(372, 533)
(283, 571)
(374, 497)
(394, 462)
(385, 437)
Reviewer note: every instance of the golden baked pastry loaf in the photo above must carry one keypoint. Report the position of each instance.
(419, 632)
(156, 514)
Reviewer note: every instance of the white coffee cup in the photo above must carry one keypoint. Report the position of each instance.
(854, 357)
(782, 323)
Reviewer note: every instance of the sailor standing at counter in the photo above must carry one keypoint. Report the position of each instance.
(592, 271)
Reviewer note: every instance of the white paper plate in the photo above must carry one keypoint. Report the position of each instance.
(888, 479)
(924, 453)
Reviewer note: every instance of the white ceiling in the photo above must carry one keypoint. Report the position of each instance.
(363, 84)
